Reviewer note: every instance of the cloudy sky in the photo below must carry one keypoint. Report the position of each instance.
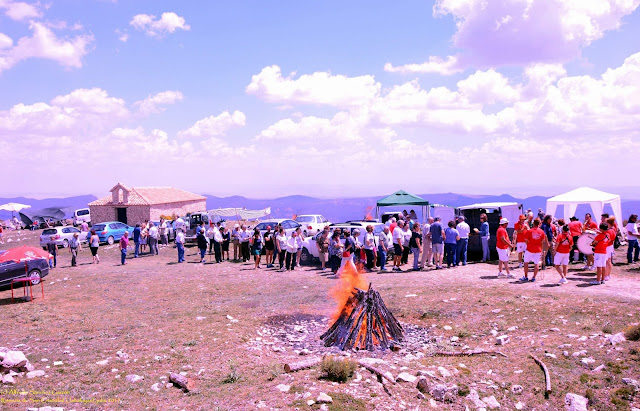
(327, 98)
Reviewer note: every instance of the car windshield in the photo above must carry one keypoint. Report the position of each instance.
(49, 231)
(306, 219)
(263, 226)
(98, 227)
(83, 212)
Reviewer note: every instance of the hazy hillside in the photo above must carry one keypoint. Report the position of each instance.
(72, 202)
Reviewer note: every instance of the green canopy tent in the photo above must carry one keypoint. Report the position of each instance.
(402, 198)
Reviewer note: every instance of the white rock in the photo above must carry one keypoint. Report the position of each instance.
(34, 374)
(447, 328)
(550, 355)
(200, 318)
(156, 387)
(371, 361)
(491, 402)
(444, 372)
(616, 338)
(324, 399)
(8, 379)
(575, 402)
(58, 363)
(475, 399)
(587, 360)
(494, 333)
(583, 338)
(517, 389)
(44, 360)
(599, 368)
(406, 377)
(103, 362)
(565, 353)
(323, 407)
(14, 359)
(133, 378)
(519, 405)
(580, 353)
(310, 402)
(455, 338)
(283, 387)
(502, 340)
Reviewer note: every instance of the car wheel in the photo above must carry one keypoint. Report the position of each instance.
(110, 240)
(305, 257)
(35, 275)
(65, 243)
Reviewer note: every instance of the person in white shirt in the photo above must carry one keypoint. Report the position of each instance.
(180, 225)
(299, 239)
(385, 241)
(281, 247)
(398, 247)
(427, 253)
(180, 244)
(209, 234)
(407, 234)
(153, 239)
(369, 246)
(235, 240)
(217, 243)
(633, 236)
(244, 236)
(463, 230)
(292, 249)
(162, 230)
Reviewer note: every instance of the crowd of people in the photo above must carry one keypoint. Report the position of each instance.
(540, 242)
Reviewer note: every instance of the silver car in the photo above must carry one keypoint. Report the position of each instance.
(62, 235)
(171, 232)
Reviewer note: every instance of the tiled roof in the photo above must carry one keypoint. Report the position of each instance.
(151, 196)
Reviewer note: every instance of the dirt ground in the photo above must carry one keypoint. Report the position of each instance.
(230, 329)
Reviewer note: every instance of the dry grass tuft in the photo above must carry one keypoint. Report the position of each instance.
(632, 332)
(338, 369)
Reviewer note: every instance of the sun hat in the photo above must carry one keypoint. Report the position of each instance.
(504, 221)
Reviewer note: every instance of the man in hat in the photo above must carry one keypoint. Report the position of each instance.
(503, 246)
(74, 245)
(536, 240)
(519, 231)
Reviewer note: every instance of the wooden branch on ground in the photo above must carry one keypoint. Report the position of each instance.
(547, 377)
(377, 371)
(302, 365)
(469, 352)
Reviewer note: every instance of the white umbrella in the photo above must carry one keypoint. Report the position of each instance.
(13, 207)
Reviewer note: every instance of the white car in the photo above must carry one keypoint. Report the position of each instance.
(62, 236)
(312, 224)
(82, 215)
(310, 250)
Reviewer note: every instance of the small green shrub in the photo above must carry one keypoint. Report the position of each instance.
(346, 402)
(233, 376)
(338, 369)
(590, 395)
(463, 390)
(632, 332)
(607, 328)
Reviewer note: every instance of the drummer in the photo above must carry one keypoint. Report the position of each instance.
(613, 233)
(591, 225)
(601, 242)
(519, 230)
(564, 244)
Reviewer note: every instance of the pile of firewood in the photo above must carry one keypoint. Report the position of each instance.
(364, 323)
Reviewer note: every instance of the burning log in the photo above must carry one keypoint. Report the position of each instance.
(364, 323)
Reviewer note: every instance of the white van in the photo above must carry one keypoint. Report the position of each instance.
(81, 215)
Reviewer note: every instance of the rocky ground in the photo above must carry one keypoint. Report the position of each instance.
(154, 334)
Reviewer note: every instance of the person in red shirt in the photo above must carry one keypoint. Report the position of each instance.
(536, 240)
(590, 225)
(564, 244)
(575, 229)
(519, 230)
(612, 231)
(600, 244)
(393, 224)
(503, 247)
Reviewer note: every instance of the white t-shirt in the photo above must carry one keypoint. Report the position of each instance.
(369, 241)
(463, 229)
(385, 239)
(632, 231)
(244, 236)
(426, 229)
(282, 240)
(398, 236)
(180, 237)
(407, 237)
(292, 245)
(153, 232)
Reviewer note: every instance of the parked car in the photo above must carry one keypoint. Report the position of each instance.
(192, 221)
(312, 224)
(36, 268)
(310, 254)
(171, 232)
(63, 236)
(81, 215)
(289, 225)
(111, 231)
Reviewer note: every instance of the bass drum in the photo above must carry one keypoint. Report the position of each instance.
(584, 242)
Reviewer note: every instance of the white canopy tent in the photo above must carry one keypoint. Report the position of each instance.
(241, 213)
(584, 195)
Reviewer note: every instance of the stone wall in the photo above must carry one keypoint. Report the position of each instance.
(178, 209)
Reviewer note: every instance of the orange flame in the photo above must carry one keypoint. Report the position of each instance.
(368, 215)
(349, 278)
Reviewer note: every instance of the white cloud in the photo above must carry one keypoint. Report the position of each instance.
(215, 126)
(520, 32)
(169, 22)
(5, 41)
(320, 88)
(433, 65)
(92, 101)
(152, 104)
(488, 87)
(17, 10)
(123, 38)
(44, 44)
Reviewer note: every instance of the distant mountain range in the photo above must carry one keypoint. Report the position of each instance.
(337, 210)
